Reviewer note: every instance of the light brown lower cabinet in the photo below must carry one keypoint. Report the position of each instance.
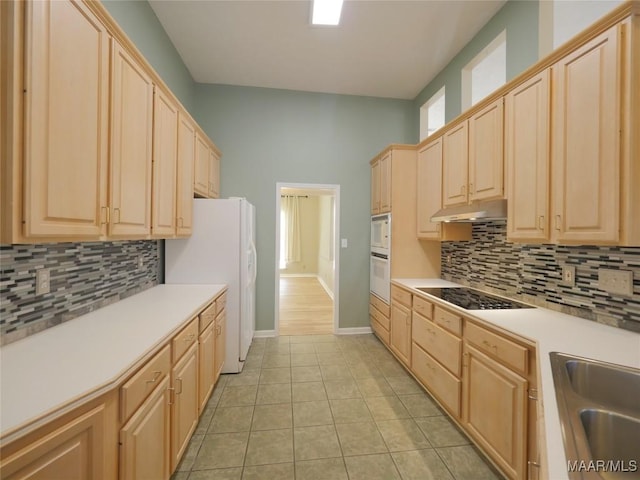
(206, 372)
(401, 332)
(495, 410)
(220, 350)
(379, 312)
(74, 447)
(184, 404)
(144, 440)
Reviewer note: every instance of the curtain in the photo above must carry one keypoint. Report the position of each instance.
(290, 221)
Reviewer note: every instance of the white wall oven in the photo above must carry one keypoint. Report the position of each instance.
(379, 281)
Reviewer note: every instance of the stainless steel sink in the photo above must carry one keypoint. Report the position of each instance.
(599, 407)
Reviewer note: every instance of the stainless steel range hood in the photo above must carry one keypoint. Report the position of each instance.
(476, 212)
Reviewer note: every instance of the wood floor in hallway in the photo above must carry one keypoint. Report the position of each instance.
(305, 307)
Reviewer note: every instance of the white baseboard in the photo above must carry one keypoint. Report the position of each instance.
(264, 333)
(293, 275)
(326, 288)
(354, 331)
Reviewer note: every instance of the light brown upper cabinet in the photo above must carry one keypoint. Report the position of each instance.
(429, 196)
(66, 98)
(214, 173)
(473, 161)
(186, 159)
(486, 154)
(201, 169)
(381, 184)
(88, 152)
(131, 146)
(375, 187)
(455, 172)
(586, 142)
(527, 157)
(165, 155)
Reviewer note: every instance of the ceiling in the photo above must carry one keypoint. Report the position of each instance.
(382, 48)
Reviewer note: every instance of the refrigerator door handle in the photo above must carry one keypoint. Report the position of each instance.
(254, 253)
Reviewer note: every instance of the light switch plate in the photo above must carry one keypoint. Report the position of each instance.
(344, 243)
(618, 282)
(43, 281)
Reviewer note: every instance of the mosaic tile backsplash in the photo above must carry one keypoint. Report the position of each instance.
(532, 273)
(84, 277)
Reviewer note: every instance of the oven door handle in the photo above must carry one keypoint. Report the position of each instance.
(380, 255)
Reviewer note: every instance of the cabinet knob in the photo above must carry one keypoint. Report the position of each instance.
(156, 376)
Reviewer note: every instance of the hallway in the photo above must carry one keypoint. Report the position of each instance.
(305, 307)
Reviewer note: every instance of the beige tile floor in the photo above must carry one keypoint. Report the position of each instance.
(324, 407)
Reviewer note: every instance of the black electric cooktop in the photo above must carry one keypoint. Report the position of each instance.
(471, 299)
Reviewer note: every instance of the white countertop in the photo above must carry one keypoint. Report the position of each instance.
(87, 356)
(553, 332)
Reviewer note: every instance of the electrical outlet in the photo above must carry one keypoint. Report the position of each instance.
(569, 275)
(140, 262)
(449, 259)
(619, 282)
(43, 281)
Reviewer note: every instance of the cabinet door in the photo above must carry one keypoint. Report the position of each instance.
(375, 188)
(527, 152)
(186, 159)
(214, 174)
(455, 165)
(201, 169)
(75, 451)
(486, 153)
(385, 183)
(429, 189)
(401, 332)
(184, 409)
(586, 153)
(165, 157)
(495, 410)
(206, 372)
(66, 121)
(144, 440)
(131, 146)
(220, 347)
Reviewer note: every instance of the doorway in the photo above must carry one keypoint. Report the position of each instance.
(307, 259)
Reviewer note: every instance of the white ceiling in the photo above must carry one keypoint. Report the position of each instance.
(382, 48)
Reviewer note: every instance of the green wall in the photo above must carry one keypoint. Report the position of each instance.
(520, 19)
(141, 25)
(270, 136)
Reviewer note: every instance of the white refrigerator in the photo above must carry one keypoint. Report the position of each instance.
(221, 249)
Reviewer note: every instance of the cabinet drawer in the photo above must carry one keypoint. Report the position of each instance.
(380, 305)
(511, 354)
(207, 316)
(382, 320)
(448, 320)
(444, 386)
(423, 307)
(401, 296)
(140, 385)
(221, 302)
(183, 340)
(440, 344)
(380, 331)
